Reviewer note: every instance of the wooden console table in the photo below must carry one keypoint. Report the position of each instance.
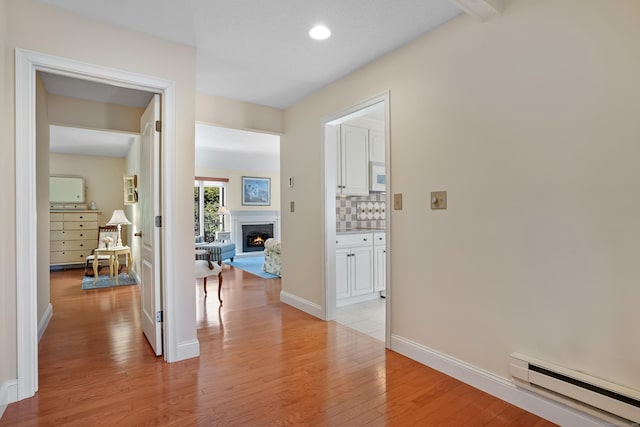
(114, 263)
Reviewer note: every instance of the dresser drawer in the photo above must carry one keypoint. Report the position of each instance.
(81, 216)
(56, 217)
(80, 225)
(71, 245)
(56, 225)
(90, 235)
(62, 257)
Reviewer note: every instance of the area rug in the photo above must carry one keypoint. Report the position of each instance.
(105, 282)
(252, 265)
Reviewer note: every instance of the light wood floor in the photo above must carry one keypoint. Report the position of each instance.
(262, 363)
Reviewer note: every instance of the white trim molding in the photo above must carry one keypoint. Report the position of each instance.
(44, 322)
(27, 63)
(8, 394)
(481, 9)
(4, 398)
(301, 304)
(329, 134)
(188, 349)
(494, 385)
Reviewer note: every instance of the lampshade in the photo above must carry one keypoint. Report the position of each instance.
(118, 218)
(223, 211)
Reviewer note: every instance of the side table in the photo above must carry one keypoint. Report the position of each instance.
(114, 263)
(223, 236)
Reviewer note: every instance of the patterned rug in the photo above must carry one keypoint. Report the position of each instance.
(105, 282)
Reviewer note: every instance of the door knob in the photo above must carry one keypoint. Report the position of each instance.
(138, 234)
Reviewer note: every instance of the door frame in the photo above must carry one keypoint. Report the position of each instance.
(27, 63)
(329, 144)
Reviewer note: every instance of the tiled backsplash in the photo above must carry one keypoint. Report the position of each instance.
(360, 211)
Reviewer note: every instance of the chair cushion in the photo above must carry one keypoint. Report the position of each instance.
(203, 270)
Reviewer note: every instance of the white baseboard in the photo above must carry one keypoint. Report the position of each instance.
(44, 322)
(12, 390)
(136, 276)
(494, 385)
(301, 304)
(4, 397)
(188, 350)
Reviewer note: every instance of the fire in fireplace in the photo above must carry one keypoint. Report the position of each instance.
(254, 236)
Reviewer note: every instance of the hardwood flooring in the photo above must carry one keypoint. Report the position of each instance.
(262, 363)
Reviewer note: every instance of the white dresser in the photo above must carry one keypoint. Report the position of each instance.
(72, 236)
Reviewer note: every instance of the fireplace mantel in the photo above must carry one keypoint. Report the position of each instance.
(238, 218)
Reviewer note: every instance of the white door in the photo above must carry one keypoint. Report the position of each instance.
(149, 205)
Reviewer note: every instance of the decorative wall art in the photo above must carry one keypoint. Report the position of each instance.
(256, 191)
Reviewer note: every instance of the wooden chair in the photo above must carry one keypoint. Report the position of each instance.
(103, 231)
(205, 268)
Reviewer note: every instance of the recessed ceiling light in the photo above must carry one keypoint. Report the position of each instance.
(319, 32)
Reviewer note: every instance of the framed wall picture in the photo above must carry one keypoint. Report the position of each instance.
(256, 191)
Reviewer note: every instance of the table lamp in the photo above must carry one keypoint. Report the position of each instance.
(119, 218)
(223, 211)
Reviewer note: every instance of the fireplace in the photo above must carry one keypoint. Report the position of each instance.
(240, 219)
(254, 236)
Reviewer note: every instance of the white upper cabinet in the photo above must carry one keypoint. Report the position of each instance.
(376, 146)
(353, 161)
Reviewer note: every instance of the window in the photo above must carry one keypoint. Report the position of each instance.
(208, 196)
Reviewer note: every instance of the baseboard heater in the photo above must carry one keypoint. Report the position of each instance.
(592, 395)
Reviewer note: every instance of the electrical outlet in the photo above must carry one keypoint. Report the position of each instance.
(397, 202)
(438, 200)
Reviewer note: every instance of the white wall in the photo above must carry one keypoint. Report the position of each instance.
(234, 114)
(530, 122)
(34, 26)
(132, 167)
(103, 178)
(95, 115)
(216, 110)
(234, 186)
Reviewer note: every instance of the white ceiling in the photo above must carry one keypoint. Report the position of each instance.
(89, 142)
(253, 51)
(223, 148)
(92, 91)
(260, 51)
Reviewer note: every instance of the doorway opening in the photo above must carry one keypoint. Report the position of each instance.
(357, 226)
(27, 64)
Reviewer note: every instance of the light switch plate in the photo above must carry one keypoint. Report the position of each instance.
(397, 202)
(438, 200)
(292, 206)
